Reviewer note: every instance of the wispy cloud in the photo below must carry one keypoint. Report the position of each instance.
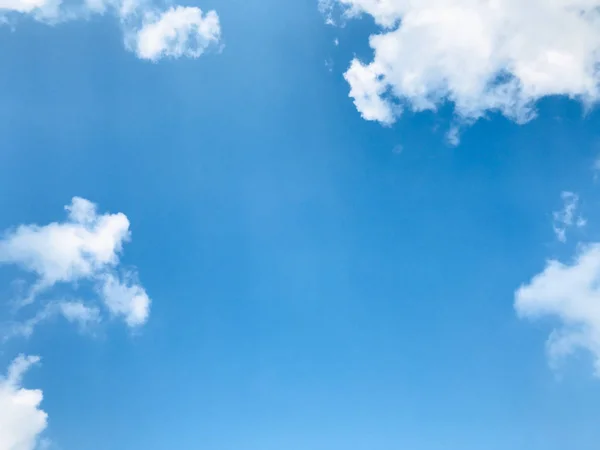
(75, 312)
(567, 216)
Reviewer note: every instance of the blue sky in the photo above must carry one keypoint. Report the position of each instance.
(252, 259)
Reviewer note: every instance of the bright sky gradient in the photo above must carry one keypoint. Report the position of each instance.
(300, 225)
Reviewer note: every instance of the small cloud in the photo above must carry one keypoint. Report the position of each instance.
(85, 247)
(569, 293)
(179, 31)
(79, 312)
(126, 299)
(567, 217)
(453, 136)
(336, 42)
(329, 65)
(326, 8)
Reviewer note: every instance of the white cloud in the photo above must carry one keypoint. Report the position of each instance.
(152, 34)
(65, 252)
(79, 313)
(179, 31)
(569, 293)
(126, 299)
(21, 419)
(482, 55)
(567, 217)
(86, 247)
(23, 6)
(367, 88)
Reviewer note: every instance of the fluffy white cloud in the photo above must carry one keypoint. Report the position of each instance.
(82, 246)
(482, 55)
(567, 217)
(569, 293)
(179, 31)
(21, 419)
(86, 247)
(126, 299)
(149, 32)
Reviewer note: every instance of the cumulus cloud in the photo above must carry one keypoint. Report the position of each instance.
(126, 299)
(78, 248)
(21, 419)
(570, 294)
(481, 55)
(567, 217)
(179, 31)
(149, 32)
(85, 247)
